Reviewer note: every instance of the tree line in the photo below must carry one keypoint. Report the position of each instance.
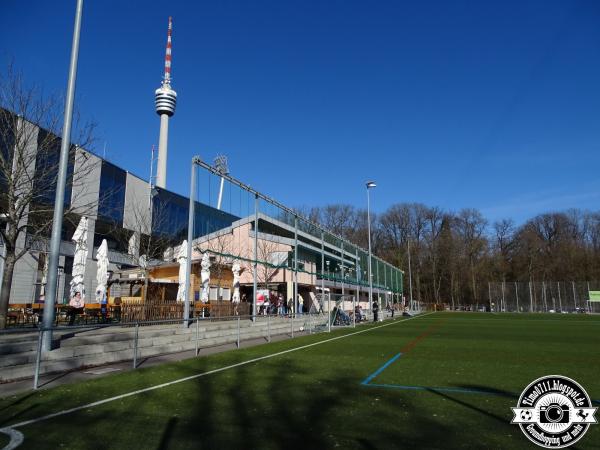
(453, 255)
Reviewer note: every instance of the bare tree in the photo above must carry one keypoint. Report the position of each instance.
(144, 234)
(29, 157)
(471, 227)
(268, 262)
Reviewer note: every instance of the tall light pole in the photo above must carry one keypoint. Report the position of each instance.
(370, 184)
(48, 318)
(411, 306)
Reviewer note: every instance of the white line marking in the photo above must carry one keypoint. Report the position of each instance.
(16, 438)
(210, 372)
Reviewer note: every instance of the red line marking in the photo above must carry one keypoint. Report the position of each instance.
(412, 344)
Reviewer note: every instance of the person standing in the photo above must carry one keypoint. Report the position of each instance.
(375, 310)
(300, 304)
(76, 307)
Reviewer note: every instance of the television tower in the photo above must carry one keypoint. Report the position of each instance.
(165, 100)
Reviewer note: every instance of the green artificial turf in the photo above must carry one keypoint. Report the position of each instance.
(314, 397)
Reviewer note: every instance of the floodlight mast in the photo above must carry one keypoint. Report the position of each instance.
(51, 297)
(370, 185)
(222, 167)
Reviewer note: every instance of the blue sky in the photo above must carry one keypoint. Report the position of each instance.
(490, 105)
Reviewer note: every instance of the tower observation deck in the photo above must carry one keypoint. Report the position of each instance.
(165, 99)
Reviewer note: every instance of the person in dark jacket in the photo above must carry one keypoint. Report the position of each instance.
(375, 310)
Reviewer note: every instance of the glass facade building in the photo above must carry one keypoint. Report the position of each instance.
(111, 199)
(46, 168)
(170, 213)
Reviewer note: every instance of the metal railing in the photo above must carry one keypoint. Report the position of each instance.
(268, 326)
(305, 323)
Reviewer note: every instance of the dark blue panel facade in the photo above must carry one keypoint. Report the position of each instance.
(111, 201)
(170, 217)
(46, 169)
(7, 143)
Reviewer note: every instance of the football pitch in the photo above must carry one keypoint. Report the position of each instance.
(439, 380)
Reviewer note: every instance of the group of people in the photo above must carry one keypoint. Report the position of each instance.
(359, 314)
(279, 306)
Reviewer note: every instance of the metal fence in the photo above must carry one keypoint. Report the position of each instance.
(279, 248)
(541, 296)
(307, 323)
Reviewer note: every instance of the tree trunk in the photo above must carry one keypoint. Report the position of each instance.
(9, 267)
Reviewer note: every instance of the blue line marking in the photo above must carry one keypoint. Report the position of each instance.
(381, 369)
(367, 382)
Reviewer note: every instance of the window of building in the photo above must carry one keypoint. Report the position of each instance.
(213, 292)
(226, 293)
(170, 217)
(46, 169)
(111, 201)
(7, 143)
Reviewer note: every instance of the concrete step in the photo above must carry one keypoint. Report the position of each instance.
(17, 347)
(94, 347)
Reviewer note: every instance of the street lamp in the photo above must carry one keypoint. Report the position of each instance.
(370, 185)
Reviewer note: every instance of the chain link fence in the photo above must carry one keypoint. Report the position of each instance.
(542, 296)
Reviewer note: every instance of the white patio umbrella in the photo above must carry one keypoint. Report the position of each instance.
(102, 271)
(183, 262)
(133, 247)
(205, 277)
(44, 277)
(81, 252)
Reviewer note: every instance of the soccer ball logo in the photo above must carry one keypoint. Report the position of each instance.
(526, 415)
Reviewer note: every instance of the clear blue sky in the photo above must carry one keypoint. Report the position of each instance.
(491, 105)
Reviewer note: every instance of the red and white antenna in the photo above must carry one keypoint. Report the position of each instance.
(168, 53)
(165, 99)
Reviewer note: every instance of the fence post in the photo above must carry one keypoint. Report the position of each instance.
(238, 332)
(135, 344)
(559, 296)
(38, 358)
(530, 299)
(197, 333)
(588, 304)
(329, 312)
(268, 327)
(544, 296)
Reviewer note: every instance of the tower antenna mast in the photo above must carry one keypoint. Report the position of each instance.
(165, 101)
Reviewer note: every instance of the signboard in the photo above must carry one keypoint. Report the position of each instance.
(594, 296)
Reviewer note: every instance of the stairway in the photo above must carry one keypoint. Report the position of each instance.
(95, 346)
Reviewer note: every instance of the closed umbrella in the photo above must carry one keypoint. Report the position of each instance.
(182, 260)
(81, 252)
(44, 278)
(205, 277)
(102, 272)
